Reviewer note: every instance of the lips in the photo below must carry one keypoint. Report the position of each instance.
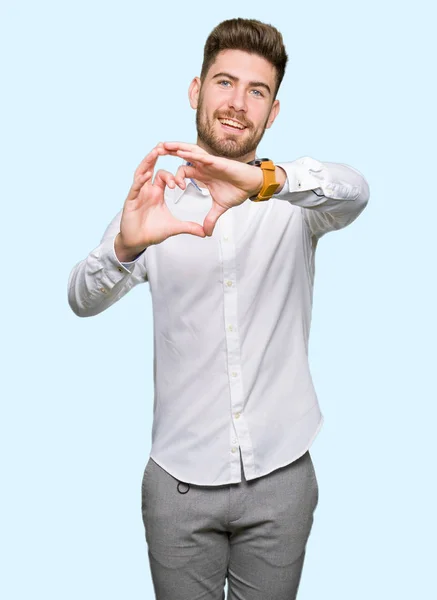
(232, 125)
(233, 130)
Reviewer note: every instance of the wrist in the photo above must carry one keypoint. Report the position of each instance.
(257, 182)
(126, 253)
(281, 177)
(270, 180)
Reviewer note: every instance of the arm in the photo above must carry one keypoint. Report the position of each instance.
(101, 279)
(331, 195)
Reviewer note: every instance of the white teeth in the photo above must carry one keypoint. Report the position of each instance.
(231, 123)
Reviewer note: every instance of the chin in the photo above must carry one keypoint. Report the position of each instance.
(225, 144)
(229, 150)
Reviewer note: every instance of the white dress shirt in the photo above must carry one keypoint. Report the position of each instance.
(232, 316)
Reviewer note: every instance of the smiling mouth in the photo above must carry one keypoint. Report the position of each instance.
(231, 125)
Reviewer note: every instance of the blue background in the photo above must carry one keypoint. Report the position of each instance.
(88, 89)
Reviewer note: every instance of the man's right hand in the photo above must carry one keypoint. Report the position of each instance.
(146, 219)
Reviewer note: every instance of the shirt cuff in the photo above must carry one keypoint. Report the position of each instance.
(113, 269)
(285, 188)
(306, 173)
(129, 266)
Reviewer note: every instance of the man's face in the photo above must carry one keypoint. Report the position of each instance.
(238, 86)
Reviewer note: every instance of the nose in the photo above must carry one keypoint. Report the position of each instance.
(237, 100)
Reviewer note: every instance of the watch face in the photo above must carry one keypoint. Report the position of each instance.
(257, 162)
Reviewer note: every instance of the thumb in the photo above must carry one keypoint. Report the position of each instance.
(212, 217)
(188, 227)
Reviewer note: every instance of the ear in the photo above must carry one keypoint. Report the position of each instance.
(194, 91)
(273, 113)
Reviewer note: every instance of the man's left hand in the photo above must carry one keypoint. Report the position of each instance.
(230, 182)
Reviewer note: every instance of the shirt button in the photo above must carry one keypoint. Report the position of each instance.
(230, 328)
(229, 283)
(234, 449)
(237, 415)
(120, 269)
(226, 238)
(234, 374)
(103, 290)
(299, 183)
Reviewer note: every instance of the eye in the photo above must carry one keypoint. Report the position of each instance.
(258, 93)
(224, 81)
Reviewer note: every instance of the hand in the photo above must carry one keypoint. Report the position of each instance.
(230, 182)
(146, 219)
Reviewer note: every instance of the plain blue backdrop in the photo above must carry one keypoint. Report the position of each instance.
(88, 89)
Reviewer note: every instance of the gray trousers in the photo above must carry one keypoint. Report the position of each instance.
(253, 533)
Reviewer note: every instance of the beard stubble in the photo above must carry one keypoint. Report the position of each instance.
(230, 146)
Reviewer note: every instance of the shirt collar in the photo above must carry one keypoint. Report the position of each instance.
(177, 193)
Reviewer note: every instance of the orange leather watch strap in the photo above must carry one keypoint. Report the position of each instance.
(270, 185)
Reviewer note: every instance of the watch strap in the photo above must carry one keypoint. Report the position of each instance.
(270, 185)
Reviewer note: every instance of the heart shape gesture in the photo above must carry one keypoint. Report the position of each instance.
(230, 182)
(146, 219)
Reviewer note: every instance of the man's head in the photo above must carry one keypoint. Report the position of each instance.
(243, 66)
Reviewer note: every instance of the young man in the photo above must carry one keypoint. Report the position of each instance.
(229, 490)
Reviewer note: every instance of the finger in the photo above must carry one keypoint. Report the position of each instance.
(183, 146)
(147, 163)
(184, 172)
(192, 156)
(188, 227)
(147, 159)
(212, 217)
(161, 149)
(138, 183)
(141, 179)
(163, 178)
(152, 157)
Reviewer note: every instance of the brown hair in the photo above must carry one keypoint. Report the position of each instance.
(250, 36)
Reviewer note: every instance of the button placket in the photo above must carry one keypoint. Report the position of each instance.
(239, 435)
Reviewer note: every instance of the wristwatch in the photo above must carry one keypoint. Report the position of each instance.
(270, 185)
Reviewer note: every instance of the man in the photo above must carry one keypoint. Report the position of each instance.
(229, 490)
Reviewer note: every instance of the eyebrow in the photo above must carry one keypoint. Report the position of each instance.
(251, 83)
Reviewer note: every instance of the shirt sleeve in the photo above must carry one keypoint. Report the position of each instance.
(285, 189)
(331, 195)
(100, 280)
(129, 265)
